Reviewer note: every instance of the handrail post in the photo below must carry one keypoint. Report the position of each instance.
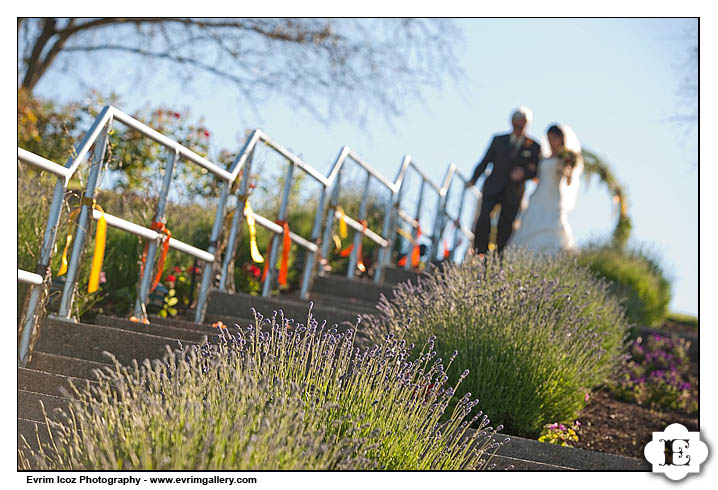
(83, 221)
(267, 287)
(457, 225)
(439, 222)
(407, 263)
(329, 224)
(208, 269)
(384, 252)
(236, 228)
(359, 236)
(31, 314)
(310, 256)
(396, 206)
(143, 297)
(474, 217)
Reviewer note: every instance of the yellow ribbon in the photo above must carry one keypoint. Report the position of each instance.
(68, 240)
(63, 263)
(99, 255)
(253, 248)
(342, 223)
(405, 234)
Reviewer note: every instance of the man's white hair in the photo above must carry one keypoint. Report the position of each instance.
(523, 112)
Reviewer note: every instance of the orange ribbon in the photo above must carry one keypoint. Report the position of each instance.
(286, 245)
(159, 227)
(415, 253)
(360, 259)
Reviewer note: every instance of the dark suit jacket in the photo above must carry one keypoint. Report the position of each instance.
(504, 159)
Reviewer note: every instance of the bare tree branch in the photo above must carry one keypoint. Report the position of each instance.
(350, 65)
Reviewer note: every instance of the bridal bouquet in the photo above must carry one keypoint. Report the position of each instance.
(569, 159)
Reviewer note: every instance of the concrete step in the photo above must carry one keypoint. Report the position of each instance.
(196, 334)
(361, 291)
(29, 405)
(63, 365)
(88, 342)
(28, 428)
(528, 450)
(348, 304)
(186, 322)
(394, 275)
(48, 383)
(239, 305)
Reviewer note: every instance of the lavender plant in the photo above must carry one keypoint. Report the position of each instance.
(539, 332)
(274, 395)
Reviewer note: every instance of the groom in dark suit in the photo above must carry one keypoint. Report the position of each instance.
(515, 157)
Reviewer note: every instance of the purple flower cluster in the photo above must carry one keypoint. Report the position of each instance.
(658, 374)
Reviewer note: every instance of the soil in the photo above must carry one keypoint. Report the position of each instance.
(617, 427)
(679, 328)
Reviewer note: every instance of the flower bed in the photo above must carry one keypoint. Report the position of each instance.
(658, 375)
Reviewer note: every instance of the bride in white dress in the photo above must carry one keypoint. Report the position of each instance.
(544, 224)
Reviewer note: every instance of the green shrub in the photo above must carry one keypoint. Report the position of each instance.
(636, 278)
(275, 395)
(539, 333)
(683, 319)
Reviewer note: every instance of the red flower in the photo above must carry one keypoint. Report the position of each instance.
(176, 115)
(171, 278)
(178, 270)
(255, 271)
(206, 133)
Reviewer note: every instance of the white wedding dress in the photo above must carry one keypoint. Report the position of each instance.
(544, 224)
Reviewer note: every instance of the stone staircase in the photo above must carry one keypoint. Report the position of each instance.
(68, 351)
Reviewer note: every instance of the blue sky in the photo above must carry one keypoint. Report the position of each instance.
(615, 81)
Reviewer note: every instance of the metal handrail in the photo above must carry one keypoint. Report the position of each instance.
(149, 234)
(334, 178)
(244, 163)
(29, 277)
(413, 222)
(453, 172)
(97, 135)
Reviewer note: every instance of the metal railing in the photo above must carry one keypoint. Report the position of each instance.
(320, 237)
(358, 224)
(98, 136)
(468, 234)
(311, 245)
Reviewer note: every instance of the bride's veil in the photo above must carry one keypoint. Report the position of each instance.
(569, 192)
